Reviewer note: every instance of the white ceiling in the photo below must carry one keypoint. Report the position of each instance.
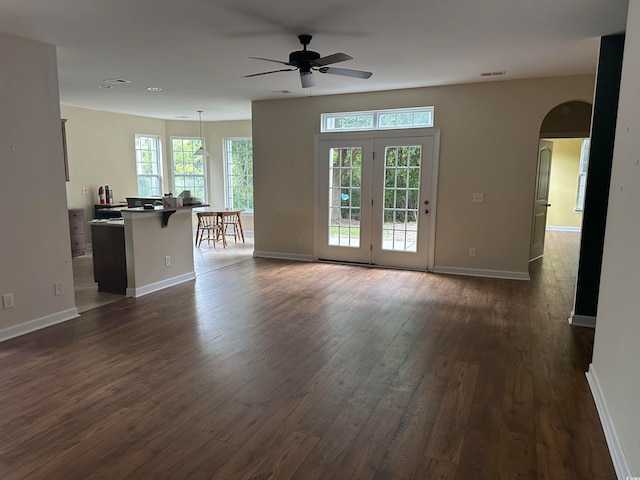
(197, 50)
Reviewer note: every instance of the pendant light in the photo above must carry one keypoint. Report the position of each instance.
(201, 150)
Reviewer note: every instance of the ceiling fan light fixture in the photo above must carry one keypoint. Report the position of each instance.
(307, 79)
(201, 151)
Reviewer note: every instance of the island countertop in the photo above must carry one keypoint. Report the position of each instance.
(107, 222)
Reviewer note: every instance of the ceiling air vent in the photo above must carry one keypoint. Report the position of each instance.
(116, 81)
(492, 74)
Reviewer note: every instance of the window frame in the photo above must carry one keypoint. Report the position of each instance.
(158, 163)
(368, 120)
(228, 185)
(196, 142)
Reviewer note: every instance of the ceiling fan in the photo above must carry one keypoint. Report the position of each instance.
(307, 61)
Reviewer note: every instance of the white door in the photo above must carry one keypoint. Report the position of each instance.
(344, 200)
(374, 203)
(541, 201)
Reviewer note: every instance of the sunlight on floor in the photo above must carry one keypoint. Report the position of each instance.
(206, 259)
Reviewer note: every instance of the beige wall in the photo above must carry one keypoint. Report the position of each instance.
(489, 143)
(616, 356)
(147, 245)
(34, 236)
(100, 147)
(563, 190)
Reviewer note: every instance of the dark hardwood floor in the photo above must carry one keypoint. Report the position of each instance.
(271, 369)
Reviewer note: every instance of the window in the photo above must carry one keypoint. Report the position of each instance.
(378, 120)
(148, 165)
(582, 174)
(239, 173)
(189, 172)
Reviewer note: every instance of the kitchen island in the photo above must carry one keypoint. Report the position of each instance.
(157, 246)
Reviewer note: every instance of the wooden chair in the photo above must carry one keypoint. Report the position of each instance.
(232, 225)
(208, 225)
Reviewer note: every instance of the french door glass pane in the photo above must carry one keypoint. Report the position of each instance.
(345, 174)
(401, 198)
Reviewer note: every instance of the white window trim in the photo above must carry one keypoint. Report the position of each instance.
(159, 160)
(204, 166)
(226, 170)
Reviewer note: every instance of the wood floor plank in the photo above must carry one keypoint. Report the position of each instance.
(366, 453)
(480, 452)
(433, 469)
(517, 456)
(283, 461)
(404, 452)
(324, 460)
(447, 437)
(273, 369)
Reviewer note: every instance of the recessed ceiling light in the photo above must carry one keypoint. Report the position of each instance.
(154, 89)
(103, 85)
(492, 74)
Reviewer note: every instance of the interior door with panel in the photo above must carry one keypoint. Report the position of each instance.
(541, 201)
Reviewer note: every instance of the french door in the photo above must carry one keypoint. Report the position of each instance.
(374, 199)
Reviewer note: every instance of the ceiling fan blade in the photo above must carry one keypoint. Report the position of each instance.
(329, 59)
(307, 79)
(272, 71)
(271, 60)
(345, 72)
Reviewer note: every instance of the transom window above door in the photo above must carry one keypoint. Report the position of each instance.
(419, 117)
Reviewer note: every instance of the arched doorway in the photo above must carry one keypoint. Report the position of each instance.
(563, 130)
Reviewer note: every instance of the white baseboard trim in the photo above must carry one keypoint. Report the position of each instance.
(582, 320)
(38, 323)
(283, 256)
(477, 272)
(154, 287)
(620, 464)
(563, 229)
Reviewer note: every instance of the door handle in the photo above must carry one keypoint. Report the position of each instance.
(426, 210)
(548, 205)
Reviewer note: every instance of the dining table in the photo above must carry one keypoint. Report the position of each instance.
(227, 216)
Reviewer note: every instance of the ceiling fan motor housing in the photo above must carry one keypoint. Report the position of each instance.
(303, 58)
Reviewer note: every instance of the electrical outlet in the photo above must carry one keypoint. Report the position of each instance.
(167, 261)
(478, 197)
(85, 191)
(7, 300)
(472, 252)
(57, 287)
(300, 240)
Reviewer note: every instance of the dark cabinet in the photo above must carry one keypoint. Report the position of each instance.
(109, 258)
